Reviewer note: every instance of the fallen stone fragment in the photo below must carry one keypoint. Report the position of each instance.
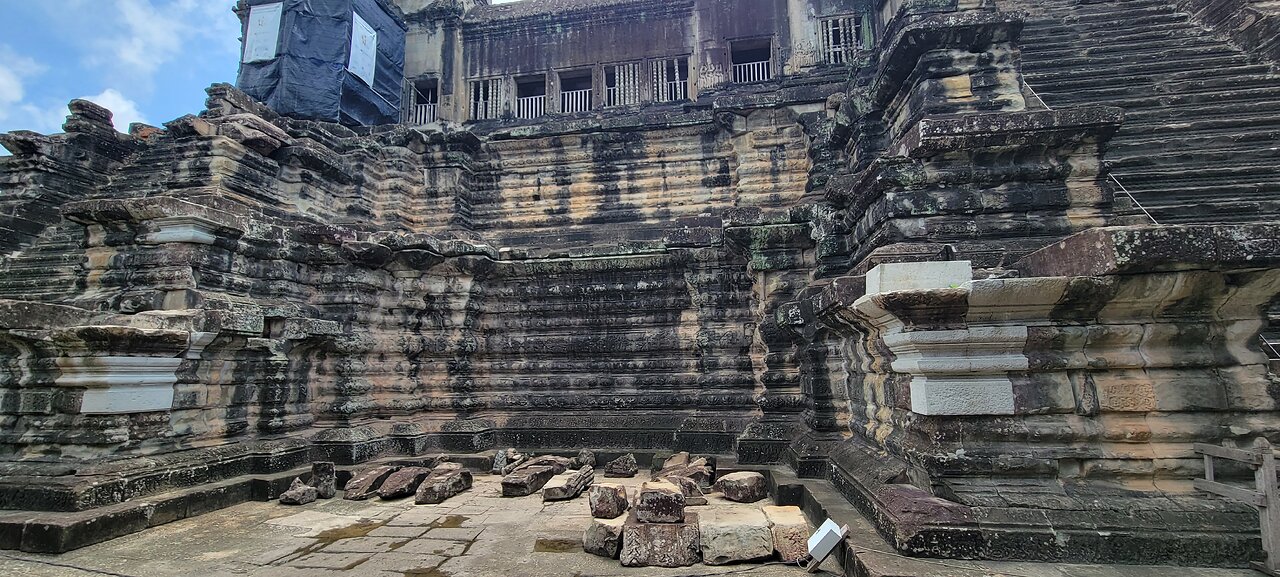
(734, 534)
(299, 493)
(603, 537)
(693, 494)
(698, 470)
(660, 502)
(607, 500)
(526, 481)
(499, 463)
(790, 532)
(660, 544)
(403, 483)
(568, 485)
(677, 460)
(559, 464)
(366, 484)
(442, 483)
(324, 479)
(743, 487)
(624, 466)
(514, 459)
(585, 458)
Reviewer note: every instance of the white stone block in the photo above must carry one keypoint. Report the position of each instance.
(118, 385)
(961, 395)
(902, 276)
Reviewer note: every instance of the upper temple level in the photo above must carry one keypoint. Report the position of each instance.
(372, 62)
(470, 60)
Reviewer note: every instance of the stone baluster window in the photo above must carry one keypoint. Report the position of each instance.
(487, 98)
(671, 79)
(622, 84)
(842, 37)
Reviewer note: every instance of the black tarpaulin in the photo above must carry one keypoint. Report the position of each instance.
(309, 79)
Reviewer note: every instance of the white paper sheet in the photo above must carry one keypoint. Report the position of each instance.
(263, 37)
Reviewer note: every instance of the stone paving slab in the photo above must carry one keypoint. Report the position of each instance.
(477, 533)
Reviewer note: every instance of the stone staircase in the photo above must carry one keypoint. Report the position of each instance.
(1201, 139)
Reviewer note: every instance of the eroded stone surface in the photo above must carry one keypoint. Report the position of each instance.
(624, 466)
(442, 483)
(732, 535)
(526, 481)
(366, 484)
(568, 485)
(324, 478)
(603, 537)
(607, 500)
(299, 493)
(659, 502)
(403, 482)
(790, 532)
(660, 544)
(743, 486)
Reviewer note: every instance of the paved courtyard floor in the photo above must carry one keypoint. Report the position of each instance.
(477, 533)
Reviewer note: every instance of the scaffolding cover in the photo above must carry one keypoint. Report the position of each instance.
(309, 76)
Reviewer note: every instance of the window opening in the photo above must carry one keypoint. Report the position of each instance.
(424, 103)
(622, 84)
(752, 61)
(671, 79)
(487, 99)
(842, 37)
(531, 96)
(575, 91)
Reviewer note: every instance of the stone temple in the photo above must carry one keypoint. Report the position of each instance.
(985, 271)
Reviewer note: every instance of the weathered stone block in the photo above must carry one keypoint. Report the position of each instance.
(366, 484)
(403, 483)
(660, 544)
(324, 479)
(442, 483)
(743, 487)
(660, 502)
(624, 466)
(607, 500)
(790, 532)
(526, 481)
(603, 537)
(557, 464)
(734, 534)
(568, 485)
(299, 493)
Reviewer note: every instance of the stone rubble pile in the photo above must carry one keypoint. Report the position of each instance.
(323, 485)
(660, 532)
(428, 485)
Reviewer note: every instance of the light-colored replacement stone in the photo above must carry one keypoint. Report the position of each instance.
(734, 534)
(961, 372)
(603, 537)
(902, 276)
(118, 385)
(790, 532)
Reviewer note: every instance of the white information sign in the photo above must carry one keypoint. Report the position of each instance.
(364, 49)
(261, 40)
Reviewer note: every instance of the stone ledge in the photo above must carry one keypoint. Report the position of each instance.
(1144, 249)
(916, 523)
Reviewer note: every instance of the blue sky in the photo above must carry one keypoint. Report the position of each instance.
(147, 60)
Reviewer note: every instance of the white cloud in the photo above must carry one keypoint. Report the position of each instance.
(15, 70)
(140, 36)
(124, 111)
